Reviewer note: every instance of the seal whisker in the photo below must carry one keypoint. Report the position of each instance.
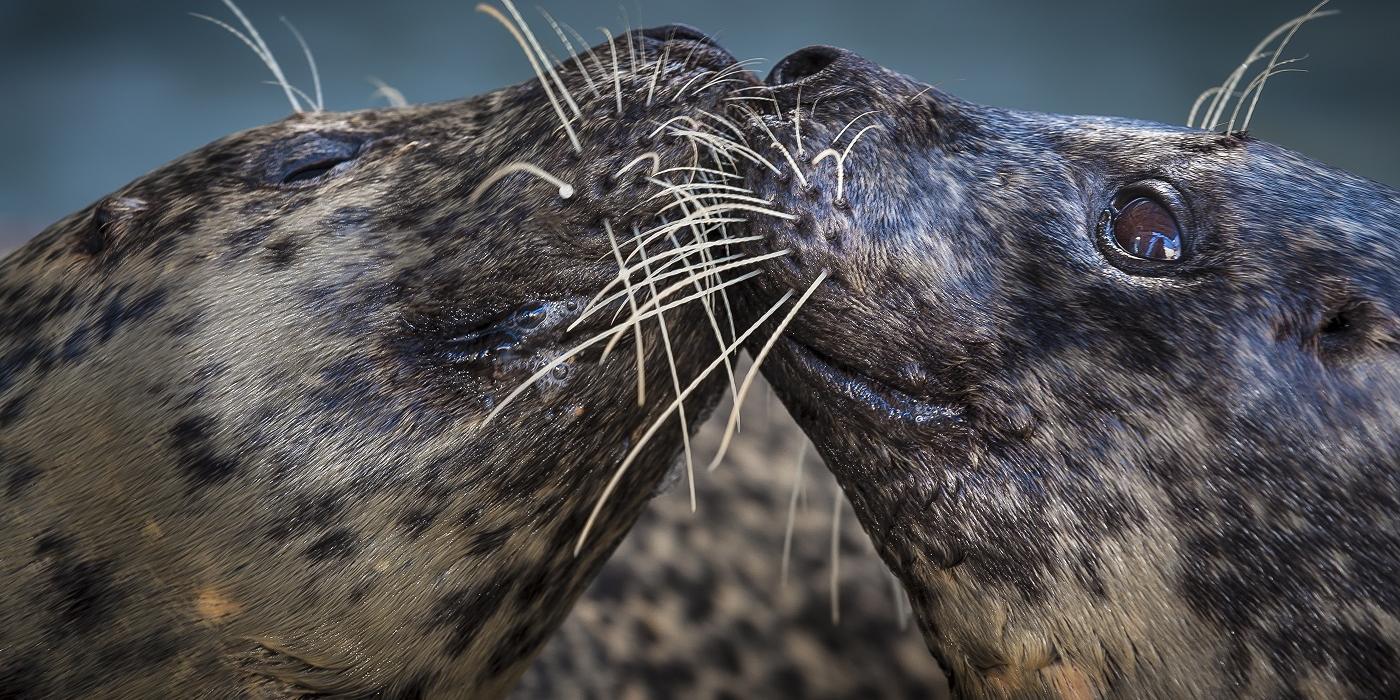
(548, 65)
(594, 340)
(624, 274)
(1269, 69)
(676, 254)
(656, 73)
(255, 42)
(646, 437)
(850, 123)
(792, 515)
(535, 65)
(705, 302)
(836, 556)
(675, 384)
(1255, 86)
(616, 73)
(757, 363)
(577, 55)
(617, 334)
(565, 189)
(787, 155)
(1216, 110)
(320, 101)
(390, 94)
(669, 273)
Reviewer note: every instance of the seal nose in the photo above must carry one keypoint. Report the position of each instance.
(678, 32)
(803, 64)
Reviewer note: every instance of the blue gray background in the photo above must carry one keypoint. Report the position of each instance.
(97, 93)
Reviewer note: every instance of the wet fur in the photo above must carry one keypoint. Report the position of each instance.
(1094, 481)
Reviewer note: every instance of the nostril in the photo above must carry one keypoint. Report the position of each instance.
(804, 63)
(678, 32)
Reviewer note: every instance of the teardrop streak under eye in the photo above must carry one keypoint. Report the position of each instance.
(1145, 229)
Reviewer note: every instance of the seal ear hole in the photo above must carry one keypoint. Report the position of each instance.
(1354, 328)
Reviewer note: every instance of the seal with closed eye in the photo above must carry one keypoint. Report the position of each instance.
(244, 401)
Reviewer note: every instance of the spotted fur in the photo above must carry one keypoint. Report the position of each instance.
(242, 450)
(1098, 477)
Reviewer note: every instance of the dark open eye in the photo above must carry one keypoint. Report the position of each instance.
(1145, 229)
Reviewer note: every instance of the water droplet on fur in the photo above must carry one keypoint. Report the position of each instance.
(531, 316)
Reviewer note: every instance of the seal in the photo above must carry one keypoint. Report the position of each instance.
(293, 414)
(1119, 402)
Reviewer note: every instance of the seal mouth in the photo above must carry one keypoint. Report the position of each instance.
(829, 379)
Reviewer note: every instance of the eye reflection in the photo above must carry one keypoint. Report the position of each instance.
(1145, 229)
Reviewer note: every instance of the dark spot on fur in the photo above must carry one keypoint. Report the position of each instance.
(416, 689)
(339, 543)
(19, 472)
(12, 409)
(282, 253)
(306, 513)
(202, 464)
(23, 677)
(517, 646)
(488, 541)
(85, 594)
(241, 242)
(120, 312)
(415, 522)
(465, 610)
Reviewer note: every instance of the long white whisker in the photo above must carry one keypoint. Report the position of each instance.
(757, 362)
(792, 515)
(320, 101)
(676, 385)
(258, 50)
(544, 58)
(625, 276)
(836, 558)
(594, 340)
(388, 92)
(701, 275)
(569, 46)
(565, 189)
(535, 65)
(636, 449)
(1273, 63)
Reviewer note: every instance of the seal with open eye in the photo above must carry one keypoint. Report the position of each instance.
(1118, 402)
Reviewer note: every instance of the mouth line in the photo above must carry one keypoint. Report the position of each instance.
(877, 399)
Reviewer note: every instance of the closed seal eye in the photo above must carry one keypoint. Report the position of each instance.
(310, 158)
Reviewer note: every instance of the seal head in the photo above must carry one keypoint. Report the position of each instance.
(243, 438)
(1118, 402)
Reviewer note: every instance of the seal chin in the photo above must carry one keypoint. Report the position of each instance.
(832, 382)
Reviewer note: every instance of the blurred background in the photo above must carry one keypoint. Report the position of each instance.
(97, 93)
